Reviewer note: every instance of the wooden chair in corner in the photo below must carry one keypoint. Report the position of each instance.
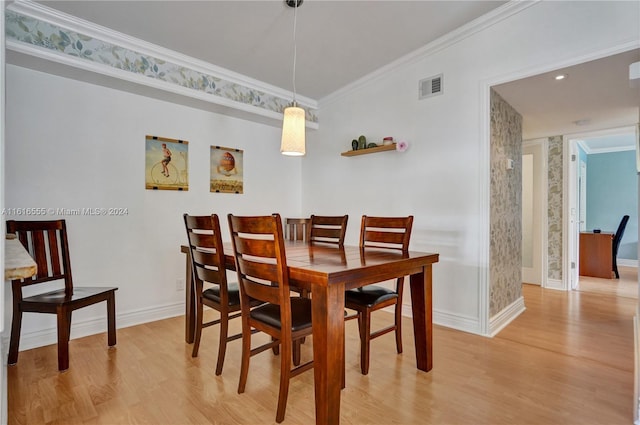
(261, 264)
(297, 228)
(208, 269)
(388, 233)
(47, 243)
(327, 229)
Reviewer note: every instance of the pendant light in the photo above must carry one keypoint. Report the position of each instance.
(293, 125)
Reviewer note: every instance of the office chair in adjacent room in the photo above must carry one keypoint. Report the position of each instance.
(616, 243)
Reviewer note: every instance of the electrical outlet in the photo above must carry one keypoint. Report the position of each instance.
(179, 284)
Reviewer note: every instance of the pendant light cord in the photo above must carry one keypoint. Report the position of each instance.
(295, 50)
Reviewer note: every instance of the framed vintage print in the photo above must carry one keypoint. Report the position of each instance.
(226, 170)
(166, 164)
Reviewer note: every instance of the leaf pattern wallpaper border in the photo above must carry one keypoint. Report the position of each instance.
(35, 32)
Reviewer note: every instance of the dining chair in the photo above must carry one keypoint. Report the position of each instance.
(388, 233)
(261, 264)
(327, 229)
(208, 268)
(47, 243)
(324, 229)
(297, 228)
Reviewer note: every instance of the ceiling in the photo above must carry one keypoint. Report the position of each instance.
(595, 95)
(339, 42)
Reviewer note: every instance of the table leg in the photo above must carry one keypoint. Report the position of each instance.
(421, 303)
(328, 350)
(189, 301)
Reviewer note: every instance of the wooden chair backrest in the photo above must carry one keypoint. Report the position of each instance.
(327, 229)
(46, 242)
(297, 228)
(386, 232)
(617, 237)
(205, 245)
(261, 263)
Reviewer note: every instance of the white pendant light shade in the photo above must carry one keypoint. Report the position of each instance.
(293, 142)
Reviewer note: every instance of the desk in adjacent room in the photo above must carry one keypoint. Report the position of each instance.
(596, 250)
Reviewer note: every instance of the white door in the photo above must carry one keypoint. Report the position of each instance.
(533, 181)
(582, 196)
(577, 193)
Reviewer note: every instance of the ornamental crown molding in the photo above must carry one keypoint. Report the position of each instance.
(37, 30)
(479, 24)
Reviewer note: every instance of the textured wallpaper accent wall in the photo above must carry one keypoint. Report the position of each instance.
(506, 206)
(554, 209)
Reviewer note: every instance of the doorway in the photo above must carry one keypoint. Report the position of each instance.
(598, 196)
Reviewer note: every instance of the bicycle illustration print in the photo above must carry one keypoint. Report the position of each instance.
(166, 163)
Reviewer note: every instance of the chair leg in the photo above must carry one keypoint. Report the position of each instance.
(296, 351)
(615, 267)
(222, 344)
(111, 319)
(198, 330)
(285, 375)
(304, 293)
(399, 328)
(246, 354)
(16, 324)
(344, 366)
(360, 325)
(64, 333)
(365, 340)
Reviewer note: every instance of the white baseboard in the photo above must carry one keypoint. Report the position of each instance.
(555, 284)
(449, 320)
(506, 316)
(458, 322)
(627, 263)
(79, 329)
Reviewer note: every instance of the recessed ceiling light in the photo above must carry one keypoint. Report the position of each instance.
(560, 77)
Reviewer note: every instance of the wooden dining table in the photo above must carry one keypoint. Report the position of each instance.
(327, 272)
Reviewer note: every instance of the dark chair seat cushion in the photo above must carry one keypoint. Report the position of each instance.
(213, 293)
(300, 314)
(369, 295)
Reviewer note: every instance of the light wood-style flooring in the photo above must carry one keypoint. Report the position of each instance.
(626, 286)
(568, 359)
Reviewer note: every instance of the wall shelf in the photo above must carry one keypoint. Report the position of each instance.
(391, 147)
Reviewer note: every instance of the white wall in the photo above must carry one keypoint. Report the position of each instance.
(443, 178)
(71, 144)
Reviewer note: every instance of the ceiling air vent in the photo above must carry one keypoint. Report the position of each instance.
(431, 86)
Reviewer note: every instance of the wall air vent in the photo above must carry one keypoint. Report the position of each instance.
(429, 87)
